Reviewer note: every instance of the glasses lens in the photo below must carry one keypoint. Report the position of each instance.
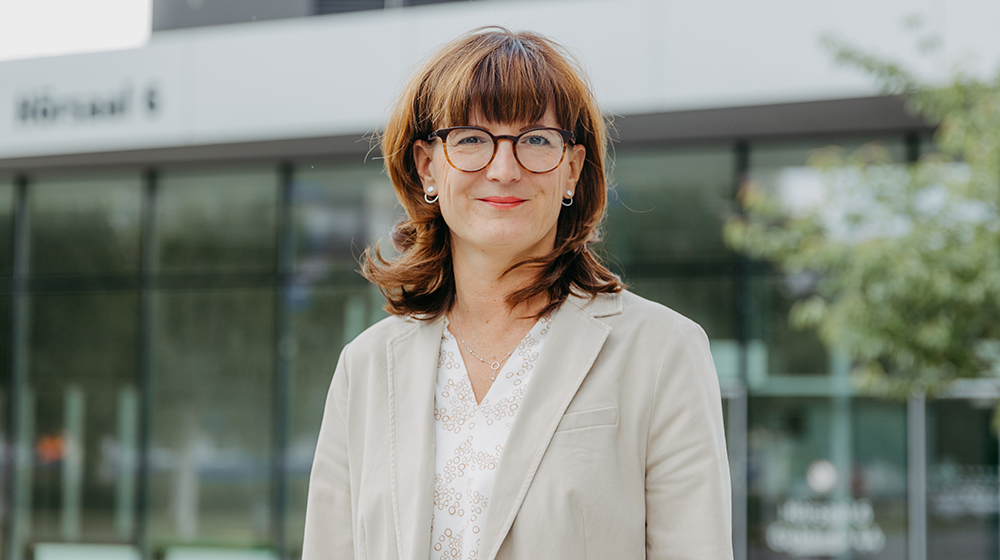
(540, 150)
(469, 149)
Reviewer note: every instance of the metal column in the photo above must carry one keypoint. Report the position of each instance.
(148, 264)
(738, 403)
(283, 356)
(19, 401)
(916, 481)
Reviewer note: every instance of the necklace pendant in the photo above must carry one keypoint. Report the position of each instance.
(495, 366)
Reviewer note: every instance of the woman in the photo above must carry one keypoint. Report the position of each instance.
(518, 403)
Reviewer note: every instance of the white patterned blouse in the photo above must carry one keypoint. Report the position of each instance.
(469, 440)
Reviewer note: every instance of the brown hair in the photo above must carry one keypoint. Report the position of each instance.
(510, 78)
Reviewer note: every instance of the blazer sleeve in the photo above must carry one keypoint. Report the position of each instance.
(329, 527)
(688, 497)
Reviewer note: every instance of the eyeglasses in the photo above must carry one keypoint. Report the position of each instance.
(470, 148)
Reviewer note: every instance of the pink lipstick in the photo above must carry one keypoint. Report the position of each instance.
(502, 201)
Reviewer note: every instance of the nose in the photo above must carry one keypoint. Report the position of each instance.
(504, 167)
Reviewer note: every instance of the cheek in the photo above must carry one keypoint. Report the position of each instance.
(440, 172)
(555, 206)
(451, 188)
(453, 202)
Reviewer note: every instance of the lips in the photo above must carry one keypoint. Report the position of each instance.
(503, 201)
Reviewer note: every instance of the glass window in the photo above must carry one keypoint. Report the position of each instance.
(338, 210)
(664, 234)
(777, 347)
(669, 206)
(5, 369)
(769, 158)
(220, 220)
(6, 267)
(321, 325)
(6, 227)
(879, 471)
(85, 224)
(962, 491)
(212, 417)
(827, 478)
(80, 414)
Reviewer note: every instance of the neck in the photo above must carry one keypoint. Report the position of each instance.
(482, 288)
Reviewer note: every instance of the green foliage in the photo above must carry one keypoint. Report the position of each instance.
(907, 257)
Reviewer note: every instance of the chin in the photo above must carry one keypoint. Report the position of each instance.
(511, 238)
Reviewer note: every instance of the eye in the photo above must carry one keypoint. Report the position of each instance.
(469, 138)
(536, 140)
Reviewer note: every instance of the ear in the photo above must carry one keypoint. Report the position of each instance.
(577, 155)
(423, 158)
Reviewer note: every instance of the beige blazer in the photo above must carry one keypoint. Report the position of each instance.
(617, 451)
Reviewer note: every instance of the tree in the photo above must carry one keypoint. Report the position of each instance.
(905, 258)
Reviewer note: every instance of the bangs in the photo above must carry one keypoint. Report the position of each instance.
(507, 80)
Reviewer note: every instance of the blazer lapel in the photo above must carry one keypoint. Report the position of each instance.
(412, 361)
(574, 340)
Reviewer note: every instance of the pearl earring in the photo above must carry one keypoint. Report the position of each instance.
(428, 192)
(568, 201)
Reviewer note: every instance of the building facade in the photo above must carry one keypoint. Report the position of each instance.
(179, 232)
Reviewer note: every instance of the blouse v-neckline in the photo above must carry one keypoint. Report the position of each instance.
(527, 342)
(469, 440)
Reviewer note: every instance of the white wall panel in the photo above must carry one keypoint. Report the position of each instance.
(337, 75)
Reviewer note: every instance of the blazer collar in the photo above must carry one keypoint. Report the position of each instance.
(573, 343)
(601, 305)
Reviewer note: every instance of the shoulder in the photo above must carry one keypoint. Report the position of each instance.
(653, 341)
(634, 306)
(631, 315)
(379, 334)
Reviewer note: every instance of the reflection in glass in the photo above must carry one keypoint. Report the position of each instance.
(770, 157)
(775, 343)
(5, 365)
(664, 228)
(336, 212)
(81, 417)
(782, 167)
(6, 268)
(331, 319)
(217, 220)
(669, 206)
(827, 478)
(962, 491)
(212, 420)
(85, 225)
(6, 225)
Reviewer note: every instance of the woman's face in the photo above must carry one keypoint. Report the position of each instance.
(503, 210)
